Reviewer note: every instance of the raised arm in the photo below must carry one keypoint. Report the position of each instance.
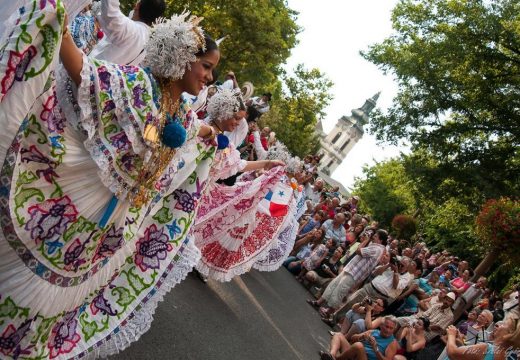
(116, 26)
(71, 56)
(262, 164)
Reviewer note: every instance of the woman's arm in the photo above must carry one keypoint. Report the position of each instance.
(262, 164)
(462, 352)
(412, 346)
(71, 56)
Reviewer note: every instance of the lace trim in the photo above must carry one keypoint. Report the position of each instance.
(140, 320)
(281, 247)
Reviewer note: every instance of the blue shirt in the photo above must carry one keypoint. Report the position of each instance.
(382, 343)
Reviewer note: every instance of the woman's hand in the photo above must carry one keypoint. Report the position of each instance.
(273, 163)
(452, 331)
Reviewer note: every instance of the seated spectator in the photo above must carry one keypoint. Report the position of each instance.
(391, 282)
(308, 240)
(438, 298)
(311, 223)
(511, 299)
(469, 298)
(294, 263)
(334, 229)
(393, 247)
(329, 268)
(371, 345)
(472, 320)
(460, 284)
(318, 254)
(357, 270)
(352, 204)
(478, 331)
(313, 192)
(504, 337)
(411, 339)
(371, 320)
(440, 316)
(444, 279)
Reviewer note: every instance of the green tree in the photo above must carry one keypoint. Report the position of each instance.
(385, 191)
(260, 34)
(295, 114)
(458, 67)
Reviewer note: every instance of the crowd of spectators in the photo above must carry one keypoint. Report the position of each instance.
(385, 298)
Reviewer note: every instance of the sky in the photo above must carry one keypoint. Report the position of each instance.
(334, 32)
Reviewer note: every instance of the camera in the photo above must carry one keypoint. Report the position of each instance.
(367, 301)
(394, 260)
(324, 267)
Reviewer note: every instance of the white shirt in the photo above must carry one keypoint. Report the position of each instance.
(310, 194)
(124, 38)
(260, 105)
(383, 283)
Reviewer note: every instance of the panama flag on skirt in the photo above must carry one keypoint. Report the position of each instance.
(276, 201)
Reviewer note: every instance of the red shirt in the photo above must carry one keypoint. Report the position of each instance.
(263, 140)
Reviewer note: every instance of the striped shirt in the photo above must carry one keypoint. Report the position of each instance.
(362, 265)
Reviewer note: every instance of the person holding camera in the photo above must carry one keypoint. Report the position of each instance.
(357, 270)
(363, 316)
(379, 344)
(412, 338)
(391, 281)
(330, 268)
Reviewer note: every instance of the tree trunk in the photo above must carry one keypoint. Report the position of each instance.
(485, 264)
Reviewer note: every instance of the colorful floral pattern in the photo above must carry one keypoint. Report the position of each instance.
(49, 219)
(100, 278)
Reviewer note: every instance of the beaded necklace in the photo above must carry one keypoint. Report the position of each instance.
(161, 155)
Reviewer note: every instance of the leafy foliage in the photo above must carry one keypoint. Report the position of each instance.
(405, 226)
(260, 35)
(458, 67)
(294, 116)
(385, 190)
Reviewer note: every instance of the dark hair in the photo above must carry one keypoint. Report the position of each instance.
(252, 114)
(426, 323)
(418, 264)
(268, 95)
(150, 10)
(210, 46)
(383, 236)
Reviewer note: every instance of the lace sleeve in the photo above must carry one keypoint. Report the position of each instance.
(228, 163)
(111, 107)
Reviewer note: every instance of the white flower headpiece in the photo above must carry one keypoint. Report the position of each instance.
(173, 44)
(224, 104)
(279, 151)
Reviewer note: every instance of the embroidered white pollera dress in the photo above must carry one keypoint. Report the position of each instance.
(76, 278)
(233, 231)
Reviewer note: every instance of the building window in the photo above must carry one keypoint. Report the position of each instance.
(330, 163)
(336, 137)
(344, 145)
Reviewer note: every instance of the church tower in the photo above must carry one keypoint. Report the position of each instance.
(346, 133)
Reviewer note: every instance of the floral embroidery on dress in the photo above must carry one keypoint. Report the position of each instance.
(64, 335)
(49, 219)
(152, 248)
(16, 67)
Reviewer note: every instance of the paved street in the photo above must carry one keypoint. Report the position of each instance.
(257, 316)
